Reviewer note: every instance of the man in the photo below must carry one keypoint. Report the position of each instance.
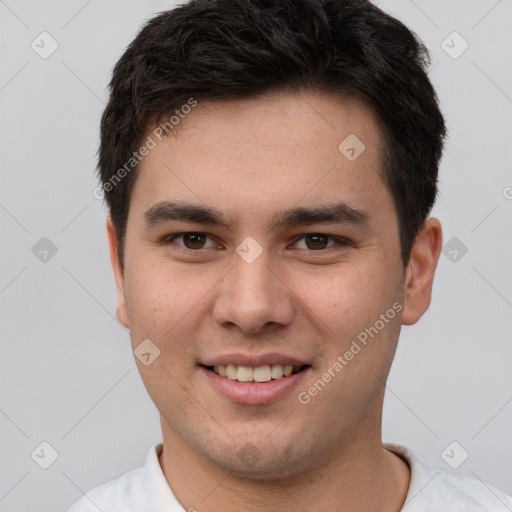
(269, 168)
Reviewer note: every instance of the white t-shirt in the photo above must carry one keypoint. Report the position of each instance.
(431, 490)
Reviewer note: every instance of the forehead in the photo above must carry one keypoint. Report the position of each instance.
(266, 152)
(284, 122)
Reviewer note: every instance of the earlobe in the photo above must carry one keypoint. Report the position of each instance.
(420, 271)
(118, 270)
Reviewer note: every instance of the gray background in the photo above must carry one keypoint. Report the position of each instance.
(67, 374)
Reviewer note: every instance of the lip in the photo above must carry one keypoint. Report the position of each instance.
(251, 393)
(254, 361)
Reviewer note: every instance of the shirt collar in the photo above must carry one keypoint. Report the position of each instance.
(158, 491)
(421, 476)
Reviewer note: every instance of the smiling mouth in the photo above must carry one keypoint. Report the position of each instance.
(258, 375)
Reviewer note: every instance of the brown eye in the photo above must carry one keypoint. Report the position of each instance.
(190, 240)
(194, 240)
(316, 241)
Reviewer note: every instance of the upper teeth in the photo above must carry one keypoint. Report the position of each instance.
(248, 374)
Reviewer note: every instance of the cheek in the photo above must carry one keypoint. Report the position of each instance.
(158, 296)
(348, 298)
(163, 305)
(347, 307)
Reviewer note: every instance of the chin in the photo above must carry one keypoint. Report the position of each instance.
(259, 459)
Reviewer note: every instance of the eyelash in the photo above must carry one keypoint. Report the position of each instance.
(341, 242)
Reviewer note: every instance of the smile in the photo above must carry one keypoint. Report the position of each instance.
(261, 374)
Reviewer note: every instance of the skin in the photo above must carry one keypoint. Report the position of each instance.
(250, 159)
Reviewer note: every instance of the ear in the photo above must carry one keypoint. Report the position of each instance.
(121, 312)
(420, 271)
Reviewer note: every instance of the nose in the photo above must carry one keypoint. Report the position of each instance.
(253, 296)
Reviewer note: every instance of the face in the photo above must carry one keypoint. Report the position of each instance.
(254, 241)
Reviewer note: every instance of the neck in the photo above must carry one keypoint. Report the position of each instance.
(359, 476)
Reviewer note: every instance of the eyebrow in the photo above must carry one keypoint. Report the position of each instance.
(339, 213)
